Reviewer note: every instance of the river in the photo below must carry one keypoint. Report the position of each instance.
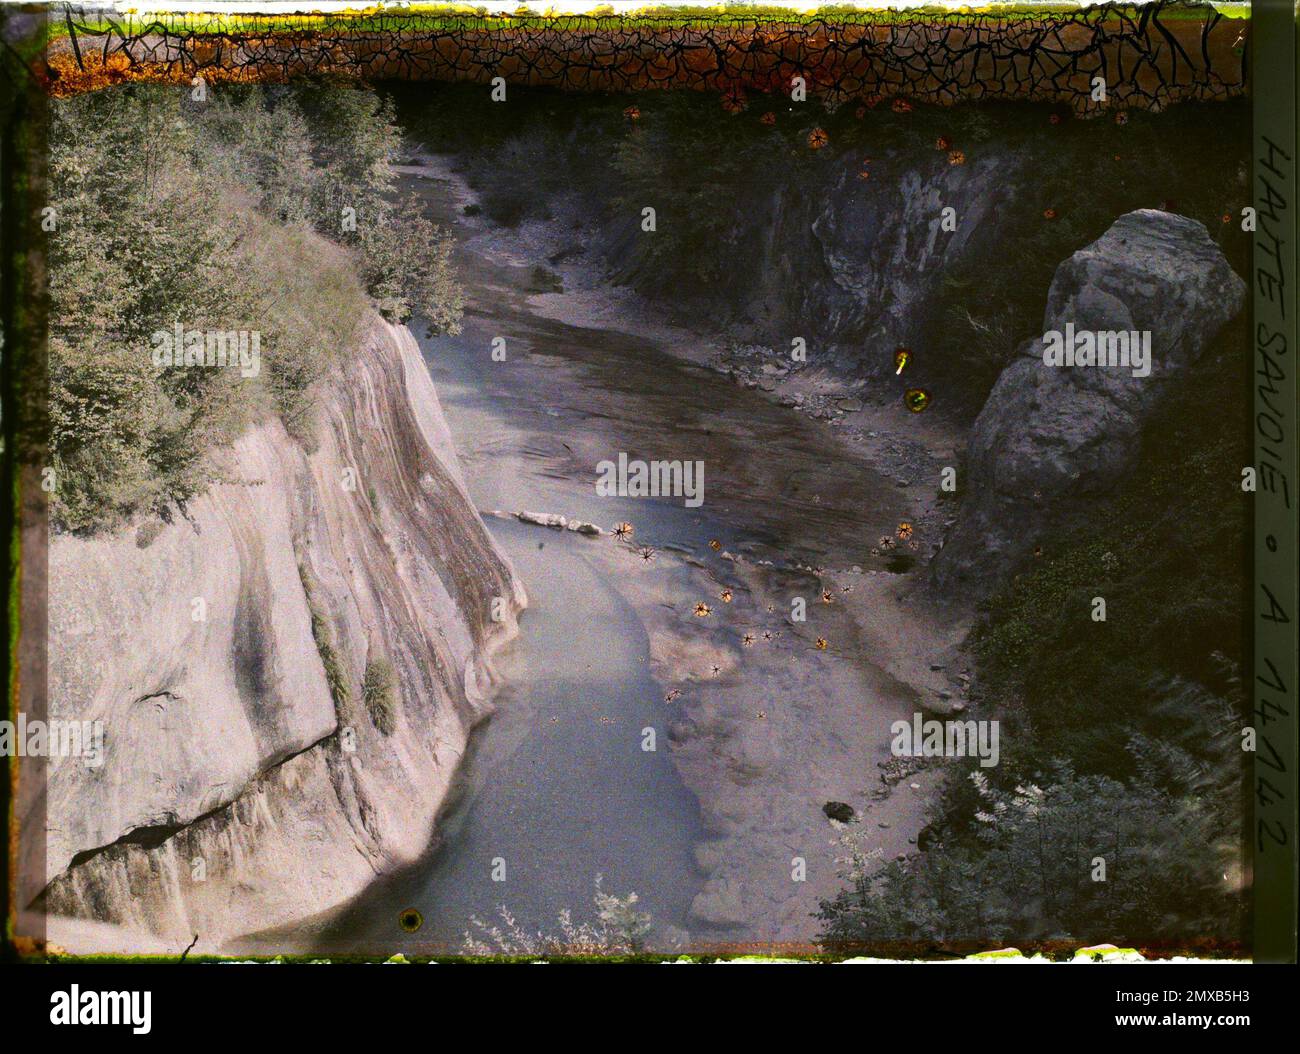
(556, 789)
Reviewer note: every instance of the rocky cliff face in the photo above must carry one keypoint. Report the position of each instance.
(250, 779)
(936, 231)
(851, 264)
(1052, 437)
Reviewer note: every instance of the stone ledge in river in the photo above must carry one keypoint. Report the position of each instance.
(557, 522)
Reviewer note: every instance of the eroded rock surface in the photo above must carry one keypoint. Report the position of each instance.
(1051, 437)
(242, 787)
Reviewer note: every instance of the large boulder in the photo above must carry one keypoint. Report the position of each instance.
(1052, 437)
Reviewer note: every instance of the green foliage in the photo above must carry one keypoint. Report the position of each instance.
(377, 689)
(628, 928)
(1030, 871)
(692, 163)
(408, 270)
(311, 312)
(406, 258)
(136, 249)
(204, 214)
(355, 137)
(103, 411)
(518, 176)
(516, 156)
(1119, 739)
(259, 140)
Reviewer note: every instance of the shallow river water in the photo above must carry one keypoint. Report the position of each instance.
(556, 785)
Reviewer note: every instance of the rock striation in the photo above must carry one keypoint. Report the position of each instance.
(250, 780)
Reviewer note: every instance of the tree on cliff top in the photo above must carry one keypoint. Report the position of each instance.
(209, 214)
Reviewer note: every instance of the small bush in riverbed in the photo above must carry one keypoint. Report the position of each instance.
(619, 929)
(378, 691)
(544, 281)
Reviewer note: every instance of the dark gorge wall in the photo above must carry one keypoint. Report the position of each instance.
(934, 229)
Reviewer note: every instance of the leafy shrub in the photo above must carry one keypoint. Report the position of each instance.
(618, 929)
(1028, 872)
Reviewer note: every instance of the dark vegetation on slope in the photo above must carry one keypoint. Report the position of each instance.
(737, 202)
(1120, 739)
(210, 213)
